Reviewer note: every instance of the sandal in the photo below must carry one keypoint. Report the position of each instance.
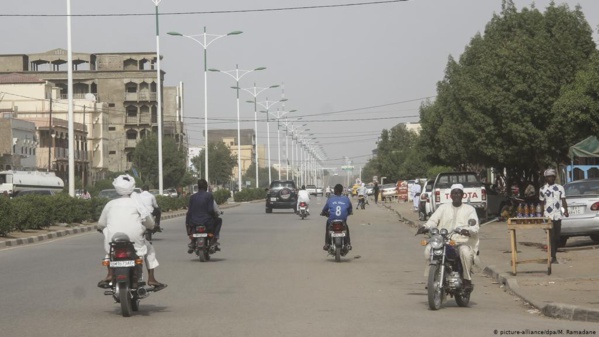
(158, 286)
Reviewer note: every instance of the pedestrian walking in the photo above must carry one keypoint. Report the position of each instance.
(375, 191)
(553, 199)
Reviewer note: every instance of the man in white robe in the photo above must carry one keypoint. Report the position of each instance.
(450, 217)
(128, 215)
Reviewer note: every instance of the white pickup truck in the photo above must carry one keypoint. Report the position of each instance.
(475, 193)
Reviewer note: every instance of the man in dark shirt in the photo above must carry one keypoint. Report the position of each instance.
(202, 211)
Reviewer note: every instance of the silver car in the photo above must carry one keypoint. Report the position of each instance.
(582, 197)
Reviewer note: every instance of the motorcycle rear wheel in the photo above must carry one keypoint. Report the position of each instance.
(203, 254)
(125, 299)
(435, 288)
(462, 299)
(337, 254)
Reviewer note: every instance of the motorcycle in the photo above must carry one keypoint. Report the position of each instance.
(361, 202)
(149, 232)
(445, 270)
(302, 210)
(337, 232)
(203, 242)
(127, 286)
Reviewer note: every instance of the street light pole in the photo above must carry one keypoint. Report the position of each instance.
(278, 116)
(255, 91)
(267, 105)
(237, 74)
(207, 39)
(159, 98)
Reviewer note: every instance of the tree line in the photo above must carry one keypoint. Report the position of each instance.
(517, 98)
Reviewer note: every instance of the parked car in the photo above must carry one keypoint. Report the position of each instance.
(32, 192)
(582, 197)
(495, 200)
(319, 191)
(170, 192)
(281, 195)
(388, 190)
(311, 189)
(112, 194)
(368, 189)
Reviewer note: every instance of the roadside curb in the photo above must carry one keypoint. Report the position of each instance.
(554, 310)
(82, 229)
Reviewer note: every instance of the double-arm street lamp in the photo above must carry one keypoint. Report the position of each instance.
(255, 91)
(291, 128)
(278, 115)
(267, 105)
(205, 40)
(237, 74)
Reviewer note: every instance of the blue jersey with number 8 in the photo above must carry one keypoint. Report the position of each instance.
(339, 207)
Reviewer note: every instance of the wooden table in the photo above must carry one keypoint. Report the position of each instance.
(514, 224)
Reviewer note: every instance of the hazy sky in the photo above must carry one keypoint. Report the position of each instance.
(334, 62)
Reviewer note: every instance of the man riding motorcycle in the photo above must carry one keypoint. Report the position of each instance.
(303, 196)
(450, 217)
(128, 215)
(338, 207)
(203, 210)
(149, 200)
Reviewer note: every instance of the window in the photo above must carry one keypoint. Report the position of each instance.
(111, 128)
(111, 152)
(111, 105)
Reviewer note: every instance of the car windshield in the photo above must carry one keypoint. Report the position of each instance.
(282, 184)
(586, 188)
(466, 179)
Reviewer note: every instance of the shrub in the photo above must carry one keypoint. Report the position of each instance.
(221, 196)
(172, 204)
(249, 194)
(5, 216)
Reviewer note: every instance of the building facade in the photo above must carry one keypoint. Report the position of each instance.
(126, 82)
(35, 100)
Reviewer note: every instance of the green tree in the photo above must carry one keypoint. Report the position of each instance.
(220, 163)
(494, 107)
(145, 161)
(250, 175)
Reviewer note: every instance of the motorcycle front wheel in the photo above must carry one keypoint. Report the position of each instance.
(125, 299)
(435, 288)
(462, 299)
(337, 254)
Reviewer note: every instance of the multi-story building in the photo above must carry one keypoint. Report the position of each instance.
(28, 98)
(126, 82)
(18, 144)
(247, 146)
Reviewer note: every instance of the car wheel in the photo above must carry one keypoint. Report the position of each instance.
(268, 210)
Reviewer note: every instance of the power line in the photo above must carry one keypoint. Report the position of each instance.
(211, 12)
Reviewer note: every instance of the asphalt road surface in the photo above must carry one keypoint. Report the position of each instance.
(271, 278)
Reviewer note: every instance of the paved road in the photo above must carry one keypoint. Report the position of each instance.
(271, 279)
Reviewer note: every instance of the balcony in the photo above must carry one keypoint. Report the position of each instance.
(131, 120)
(140, 96)
(129, 143)
(145, 120)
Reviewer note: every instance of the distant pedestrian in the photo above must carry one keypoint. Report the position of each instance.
(415, 191)
(375, 191)
(553, 199)
(85, 195)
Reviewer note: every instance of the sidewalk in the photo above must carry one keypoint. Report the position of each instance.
(60, 231)
(570, 292)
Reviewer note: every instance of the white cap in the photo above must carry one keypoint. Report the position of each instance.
(457, 186)
(549, 172)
